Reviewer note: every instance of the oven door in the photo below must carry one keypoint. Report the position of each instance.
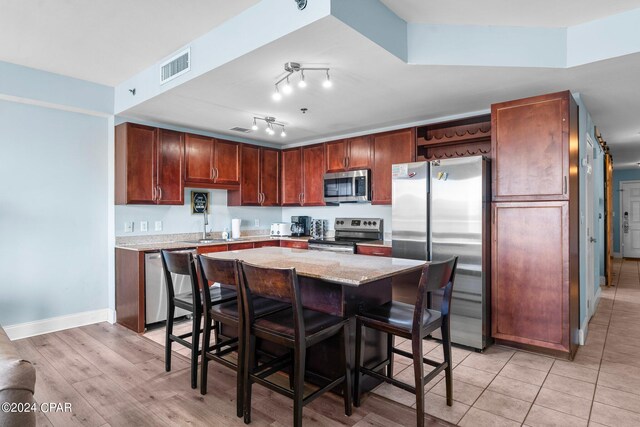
(353, 186)
(343, 249)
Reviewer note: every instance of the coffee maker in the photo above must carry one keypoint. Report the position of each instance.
(300, 225)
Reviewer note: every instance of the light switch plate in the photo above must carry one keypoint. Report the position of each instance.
(256, 222)
(128, 227)
(158, 226)
(144, 226)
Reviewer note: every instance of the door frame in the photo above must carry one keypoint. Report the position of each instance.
(590, 260)
(622, 183)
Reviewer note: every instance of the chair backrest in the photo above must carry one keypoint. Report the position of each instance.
(274, 283)
(435, 276)
(181, 263)
(223, 271)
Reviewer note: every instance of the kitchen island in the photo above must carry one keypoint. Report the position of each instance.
(340, 285)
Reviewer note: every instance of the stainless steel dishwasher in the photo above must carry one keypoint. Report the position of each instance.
(155, 289)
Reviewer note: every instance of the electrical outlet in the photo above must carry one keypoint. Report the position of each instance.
(158, 226)
(256, 222)
(144, 226)
(128, 227)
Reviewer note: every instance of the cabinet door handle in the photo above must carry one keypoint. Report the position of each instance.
(211, 174)
(159, 193)
(215, 173)
(153, 194)
(347, 158)
(565, 185)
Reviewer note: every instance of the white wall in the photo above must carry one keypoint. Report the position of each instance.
(179, 219)
(53, 213)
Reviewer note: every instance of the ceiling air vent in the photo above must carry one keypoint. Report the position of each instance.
(239, 129)
(176, 66)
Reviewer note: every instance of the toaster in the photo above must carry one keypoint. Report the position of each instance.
(279, 229)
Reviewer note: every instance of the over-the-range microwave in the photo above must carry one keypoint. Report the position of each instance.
(351, 186)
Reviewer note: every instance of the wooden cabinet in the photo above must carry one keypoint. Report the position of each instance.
(296, 244)
(349, 154)
(260, 178)
(313, 167)
(532, 294)
(291, 177)
(240, 246)
(389, 148)
(373, 250)
(303, 176)
(530, 142)
(266, 243)
(212, 248)
(211, 162)
(148, 165)
(170, 155)
(535, 230)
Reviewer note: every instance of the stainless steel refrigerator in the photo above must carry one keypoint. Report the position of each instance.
(441, 209)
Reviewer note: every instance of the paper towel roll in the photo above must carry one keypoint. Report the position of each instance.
(235, 228)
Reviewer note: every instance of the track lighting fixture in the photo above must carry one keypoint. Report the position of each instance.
(294, 67)
(271, 122)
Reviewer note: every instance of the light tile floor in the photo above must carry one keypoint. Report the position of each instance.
(507, 387)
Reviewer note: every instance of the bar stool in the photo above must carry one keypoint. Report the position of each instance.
(414, 323)
(296, 328)
(226, 272)
(182, 263)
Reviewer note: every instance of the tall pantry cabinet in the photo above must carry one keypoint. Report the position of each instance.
(535, 255)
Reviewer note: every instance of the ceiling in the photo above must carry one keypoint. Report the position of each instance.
(104, 41)
(518, 13)
(109, 41)
(373, 89)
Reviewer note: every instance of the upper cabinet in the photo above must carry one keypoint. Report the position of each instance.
(303, 176)
(211, 162)
(148, 165)
(260, 178)
(389, 148)
(531, 148)
(291, 177)
(313, 166)
(349, 154)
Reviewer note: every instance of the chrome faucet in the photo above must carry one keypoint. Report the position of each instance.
(206, 222)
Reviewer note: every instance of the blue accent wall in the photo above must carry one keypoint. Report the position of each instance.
(53, 213)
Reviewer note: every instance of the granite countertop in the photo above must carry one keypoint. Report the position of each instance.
(345, 269)
(186, 243)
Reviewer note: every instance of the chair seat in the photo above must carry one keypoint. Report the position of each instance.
(281, 323)
(261, 307)
(399, 315)
(218, 295)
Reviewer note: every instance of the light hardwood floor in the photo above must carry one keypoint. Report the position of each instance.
(114, 377)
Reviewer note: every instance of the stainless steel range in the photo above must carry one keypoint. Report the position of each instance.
(349, 232)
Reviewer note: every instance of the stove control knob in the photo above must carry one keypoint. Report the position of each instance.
(375, 223)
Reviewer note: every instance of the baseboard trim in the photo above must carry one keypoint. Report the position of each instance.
(53, 324)
(112, 317)
(584, 330)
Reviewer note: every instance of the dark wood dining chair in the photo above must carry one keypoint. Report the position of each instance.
(182, 263)
(296, 328)
(414, 322)
(226, 273)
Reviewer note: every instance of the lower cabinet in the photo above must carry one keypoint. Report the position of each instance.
(266, 243)
(535, 276)
(373, 250)
(296, 244)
